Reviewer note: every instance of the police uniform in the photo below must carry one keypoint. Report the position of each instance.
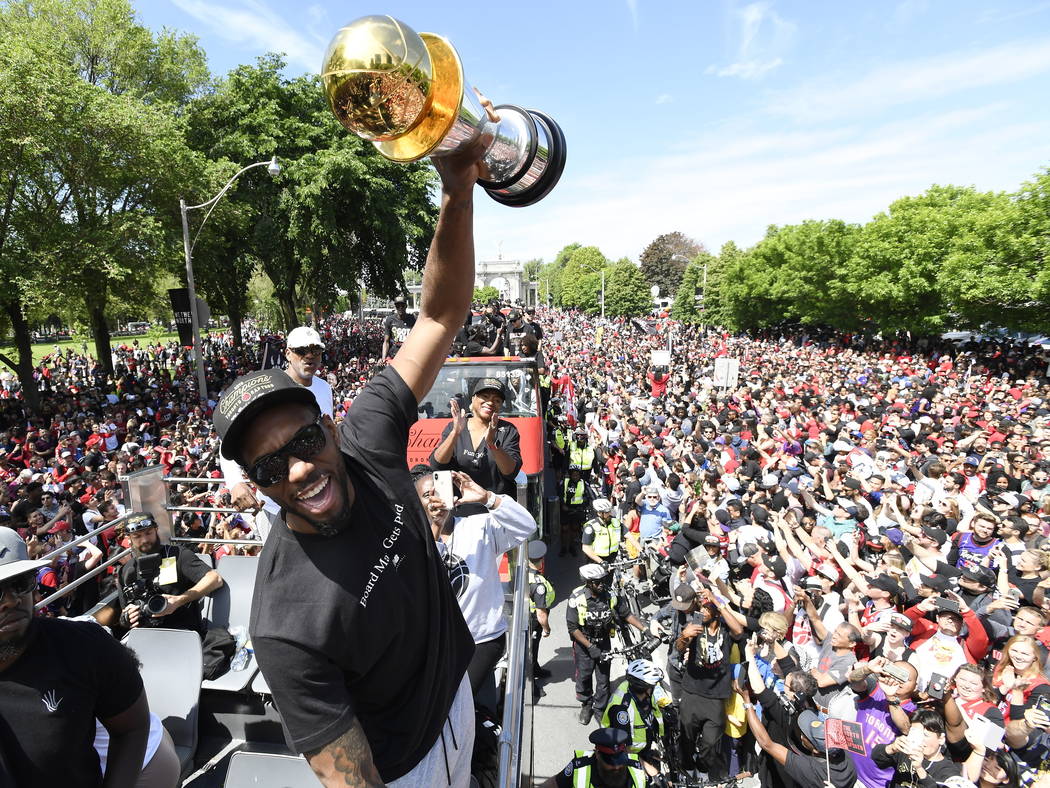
(582, 459)
(597, 615)
(541, 596)
(610, 744)
(642, 721)
(604, 538)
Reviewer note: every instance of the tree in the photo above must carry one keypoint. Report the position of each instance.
(894, 274)
(581, 279)
(665, 259)
(550, 275)
(482, 295)
(530, 272)
(626, 293)
(99, 149)
(338, 214)
(996, 273)
(689, 306)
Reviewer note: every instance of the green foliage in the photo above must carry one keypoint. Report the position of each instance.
(665, 259)
(550, 280)
(691, 296)
(482, 295)
(338, 213)
(530, 272)
(581, 279)
(626, 292)
(93, 156)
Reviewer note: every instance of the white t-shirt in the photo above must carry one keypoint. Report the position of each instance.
(232, 472)
(475, 545)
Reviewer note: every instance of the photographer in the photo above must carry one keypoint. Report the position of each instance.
(158, 571)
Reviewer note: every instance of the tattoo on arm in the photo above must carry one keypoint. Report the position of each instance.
(346, 762)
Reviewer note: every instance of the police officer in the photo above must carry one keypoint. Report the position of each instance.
(541, 600)
(634, 709)
(575, 495)
(165, 572)
(581, 455)
(603, 534)
(608, 765)
(593, 613)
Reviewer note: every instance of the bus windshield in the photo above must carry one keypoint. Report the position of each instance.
(456, 381)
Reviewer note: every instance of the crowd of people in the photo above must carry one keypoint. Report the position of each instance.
(851, 527)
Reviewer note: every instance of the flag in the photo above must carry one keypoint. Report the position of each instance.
(844, 735)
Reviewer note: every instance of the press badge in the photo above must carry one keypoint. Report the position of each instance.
(169, 575)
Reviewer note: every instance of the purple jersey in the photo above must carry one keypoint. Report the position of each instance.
(971, 553)
(873, 713)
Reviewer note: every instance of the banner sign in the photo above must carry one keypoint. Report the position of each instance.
(180, 305)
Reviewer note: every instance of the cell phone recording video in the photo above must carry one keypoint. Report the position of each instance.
(443, 487)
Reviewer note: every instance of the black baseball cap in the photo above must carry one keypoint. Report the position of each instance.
(980, 574)
(885, 583)
(936, 582)
(488, 384)
(683, 597)
(400, 300)
(246, 397)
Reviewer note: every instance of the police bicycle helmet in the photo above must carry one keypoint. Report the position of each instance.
(593, 573)
(645, 671)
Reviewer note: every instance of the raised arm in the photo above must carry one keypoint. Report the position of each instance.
(448, 278)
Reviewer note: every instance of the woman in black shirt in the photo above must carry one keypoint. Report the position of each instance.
(483, 446)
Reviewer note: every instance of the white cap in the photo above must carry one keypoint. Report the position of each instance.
(303, 336)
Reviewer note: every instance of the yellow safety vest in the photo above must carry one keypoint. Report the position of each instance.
(577, 495)
(581, 458)
(580, 598)
(559, 439)
(606, 536)
(536, 579)
(639, 730)
(581, 771)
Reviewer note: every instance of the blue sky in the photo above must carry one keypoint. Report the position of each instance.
(712, 117)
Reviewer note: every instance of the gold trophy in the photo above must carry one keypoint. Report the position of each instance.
(406, 93)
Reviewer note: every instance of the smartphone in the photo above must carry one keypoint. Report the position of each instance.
(896, 673)
(443, 487)
(990, 734)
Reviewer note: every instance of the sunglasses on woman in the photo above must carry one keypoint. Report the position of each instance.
(306, 444)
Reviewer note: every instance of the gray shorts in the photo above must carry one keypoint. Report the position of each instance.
(448, 762)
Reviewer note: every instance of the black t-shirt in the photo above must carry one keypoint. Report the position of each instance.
(364, 624)
(936, 771)
(512, 337)
(707, 663)
(810, 771)
(476, 462)
(396, 330)
(71, 673)
(188, 570)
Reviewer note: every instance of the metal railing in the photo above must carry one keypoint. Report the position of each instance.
(515, 697)
(92, 573)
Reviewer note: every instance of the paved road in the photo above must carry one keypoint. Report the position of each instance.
(556, 728)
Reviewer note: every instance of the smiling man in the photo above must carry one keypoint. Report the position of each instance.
(354, 622)
(304, 353)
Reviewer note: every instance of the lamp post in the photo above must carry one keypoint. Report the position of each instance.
(273, 168)
(703, 288)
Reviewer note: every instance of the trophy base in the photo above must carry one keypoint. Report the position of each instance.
(542, 171)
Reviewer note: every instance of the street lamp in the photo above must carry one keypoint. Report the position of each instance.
(274, 169)
(602, 272)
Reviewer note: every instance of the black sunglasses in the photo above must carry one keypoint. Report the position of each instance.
(315, 350)
(272, 468)
(19, 585)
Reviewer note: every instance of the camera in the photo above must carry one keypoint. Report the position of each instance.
(143, 591)
(937, 685)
